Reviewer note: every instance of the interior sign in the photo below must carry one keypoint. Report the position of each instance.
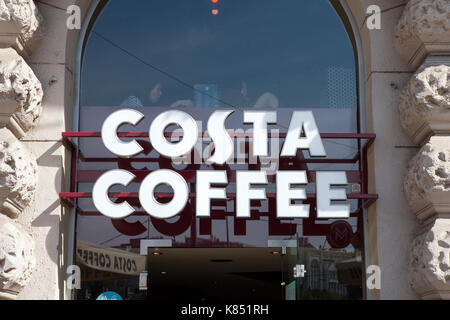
(108, 259)
(302, 134)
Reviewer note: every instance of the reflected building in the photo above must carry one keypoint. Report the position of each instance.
(326, 269)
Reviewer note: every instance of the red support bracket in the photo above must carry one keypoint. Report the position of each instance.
(86, 176)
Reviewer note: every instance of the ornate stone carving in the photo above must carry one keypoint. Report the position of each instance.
(18, 175)
(20, 93)
(425, 103)
(20, 25)
(429, 273)
(17, 259)
(423, 29)
(427, 182)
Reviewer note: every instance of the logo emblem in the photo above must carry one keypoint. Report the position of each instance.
(109, 296)
(340, 234)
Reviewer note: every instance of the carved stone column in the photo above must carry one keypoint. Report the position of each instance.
(430, 261)
(17, 175)
(427, 187)
(20, 25)
(425, 104)
(423, 30)
(423, 39)
(427, 181)
(20, 107)
(20, 93)
(17, 260)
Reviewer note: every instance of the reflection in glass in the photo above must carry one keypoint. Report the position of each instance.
(159, 54)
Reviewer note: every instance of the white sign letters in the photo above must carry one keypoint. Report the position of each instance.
(291, 185)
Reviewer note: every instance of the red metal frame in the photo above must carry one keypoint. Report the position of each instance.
(189, 175)
(97, 134)
(187, 218)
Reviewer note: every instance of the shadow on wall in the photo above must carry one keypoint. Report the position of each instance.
(51, 217)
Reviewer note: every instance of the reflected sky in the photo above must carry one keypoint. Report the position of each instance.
(290, 53)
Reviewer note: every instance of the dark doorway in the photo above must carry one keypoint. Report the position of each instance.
(216, 274)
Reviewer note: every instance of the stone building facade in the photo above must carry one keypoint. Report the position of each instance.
(405, 85)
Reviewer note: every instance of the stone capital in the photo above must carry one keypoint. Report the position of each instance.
(427, 181)
(20, 93)
(18, 175)
(429, 272)
(20, 25)
(423, 30)
(425, 103)
(17, 259)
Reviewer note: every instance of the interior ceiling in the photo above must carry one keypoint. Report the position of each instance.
(220, 271)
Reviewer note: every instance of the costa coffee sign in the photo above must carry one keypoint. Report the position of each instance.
(302, 134)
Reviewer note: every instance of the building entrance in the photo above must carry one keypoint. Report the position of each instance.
(218, 274)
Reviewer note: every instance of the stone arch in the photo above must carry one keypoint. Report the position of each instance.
(382, 75)
(59, 52)
(57, 63)
(88, 7)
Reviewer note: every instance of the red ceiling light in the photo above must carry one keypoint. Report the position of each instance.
(215, 11)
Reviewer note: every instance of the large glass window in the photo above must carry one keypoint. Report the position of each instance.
(199, 56)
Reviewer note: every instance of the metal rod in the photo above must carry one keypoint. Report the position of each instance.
(95, 134)
(165, 195)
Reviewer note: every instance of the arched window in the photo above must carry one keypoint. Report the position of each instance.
(200, 56)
